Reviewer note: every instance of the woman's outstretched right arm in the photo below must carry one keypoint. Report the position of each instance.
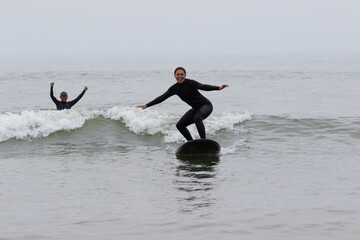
(158, 100)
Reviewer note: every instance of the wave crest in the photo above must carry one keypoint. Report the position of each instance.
(36, 124)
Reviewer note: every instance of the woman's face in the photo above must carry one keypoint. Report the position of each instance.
(180, 76)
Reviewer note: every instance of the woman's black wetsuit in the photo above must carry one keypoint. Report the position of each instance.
(65, 105)
(201, 106)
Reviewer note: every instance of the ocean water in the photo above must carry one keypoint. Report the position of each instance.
(289, 168)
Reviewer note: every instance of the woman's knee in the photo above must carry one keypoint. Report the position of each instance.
(179, 125)
(204, 112)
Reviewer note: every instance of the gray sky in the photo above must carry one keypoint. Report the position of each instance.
(126, 27)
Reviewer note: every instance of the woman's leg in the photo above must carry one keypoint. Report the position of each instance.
(185, 121)
(202, 113)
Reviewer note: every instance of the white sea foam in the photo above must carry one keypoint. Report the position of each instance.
(35, 124)
(142, 121)
(153, 122)
(233, 148)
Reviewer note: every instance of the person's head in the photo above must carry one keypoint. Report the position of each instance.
(63, 96)
(180, 74)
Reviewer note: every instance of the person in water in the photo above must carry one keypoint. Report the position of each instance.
(63, 104)
(187, 90)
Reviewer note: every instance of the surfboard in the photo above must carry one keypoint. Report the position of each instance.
(199, 147)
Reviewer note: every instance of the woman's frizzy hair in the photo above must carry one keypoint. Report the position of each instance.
(179, 68)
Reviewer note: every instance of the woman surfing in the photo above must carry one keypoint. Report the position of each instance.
(188, 91)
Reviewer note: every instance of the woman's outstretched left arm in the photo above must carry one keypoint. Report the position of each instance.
(207, 87)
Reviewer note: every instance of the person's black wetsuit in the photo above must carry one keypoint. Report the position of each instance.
(201, 106)
(64, 105)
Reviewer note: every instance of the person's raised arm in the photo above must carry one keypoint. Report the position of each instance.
(52, 93)
(73, 102)
(158, 100)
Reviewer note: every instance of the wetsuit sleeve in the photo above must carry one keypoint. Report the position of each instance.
(52, 96)
(73, 102)
(205, 87)
(161, 98)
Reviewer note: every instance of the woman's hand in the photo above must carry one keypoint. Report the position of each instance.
(142, 106)
(223, 86)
